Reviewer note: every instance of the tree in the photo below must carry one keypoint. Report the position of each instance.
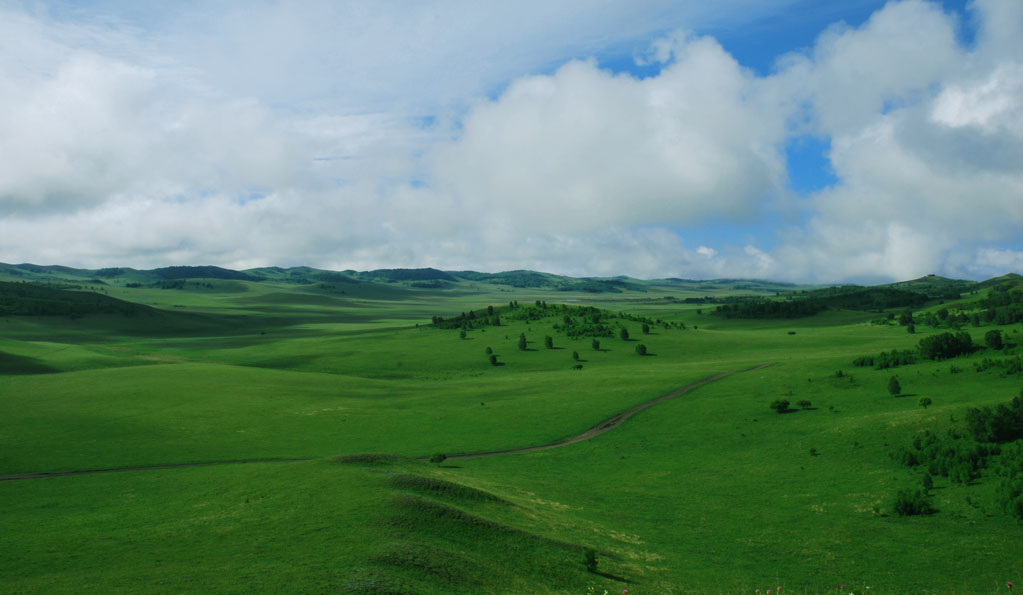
(624, 334)
(575, 355)
(641, 349)
(590, 559)
(596, 344)
(928, 481)
(804, 404)
(493, 360)
(780, 405)
(894, 388)
(489, 350)
(522, 342)
(993, 339)
(925, 402)
(646, 329)
(548, 342)
(911, 328)
(438, 458)
(461, 334)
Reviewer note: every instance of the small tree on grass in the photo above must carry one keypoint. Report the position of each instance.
(438, 458)
(780, 405)
(575, 355)
(624, 334)
(925, 402)
(522, 342)
(804, 404)
(489, 350)
(461, 334)
(641, 349)
(993, 339)
(646, 329)
(894, 388)
(596, 344)
(493, 360)
(590, 559)
(548, 342)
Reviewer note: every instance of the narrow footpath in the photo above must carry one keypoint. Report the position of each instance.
(605, 426)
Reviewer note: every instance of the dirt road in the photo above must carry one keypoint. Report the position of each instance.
(605, 426)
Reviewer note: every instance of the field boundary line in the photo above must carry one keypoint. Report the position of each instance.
(47, 475)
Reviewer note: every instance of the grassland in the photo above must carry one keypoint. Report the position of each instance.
(709, 492)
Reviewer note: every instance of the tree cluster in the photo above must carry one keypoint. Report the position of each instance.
(946, 345)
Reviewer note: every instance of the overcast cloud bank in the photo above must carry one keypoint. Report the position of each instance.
(251, 135)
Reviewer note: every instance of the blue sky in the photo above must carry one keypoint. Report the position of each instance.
(797, 140)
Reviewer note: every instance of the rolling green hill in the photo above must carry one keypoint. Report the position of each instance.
(223, 434)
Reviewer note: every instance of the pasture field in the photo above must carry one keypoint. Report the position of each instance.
(272, 437)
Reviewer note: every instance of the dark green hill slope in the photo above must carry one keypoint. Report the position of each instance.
(28, 299)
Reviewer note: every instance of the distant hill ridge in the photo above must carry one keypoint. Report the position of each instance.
(931, 286)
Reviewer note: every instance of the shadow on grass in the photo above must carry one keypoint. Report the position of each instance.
(614, 577)
(20, 365)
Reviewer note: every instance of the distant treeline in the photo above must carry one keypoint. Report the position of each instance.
(814, 302)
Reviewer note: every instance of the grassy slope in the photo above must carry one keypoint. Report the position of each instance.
(711, 492)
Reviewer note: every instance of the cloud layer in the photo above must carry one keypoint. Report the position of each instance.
(336, 137)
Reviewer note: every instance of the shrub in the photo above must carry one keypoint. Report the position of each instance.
(438, 458)
(804, 404)
(780, 405)
(641, 349)
(596, 344)
(911, 502)
(894, 388)
(590, 559)
(925, 402)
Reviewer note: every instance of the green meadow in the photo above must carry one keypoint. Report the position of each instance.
(233, 435)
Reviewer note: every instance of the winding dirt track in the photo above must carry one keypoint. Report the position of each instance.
(605, 426)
